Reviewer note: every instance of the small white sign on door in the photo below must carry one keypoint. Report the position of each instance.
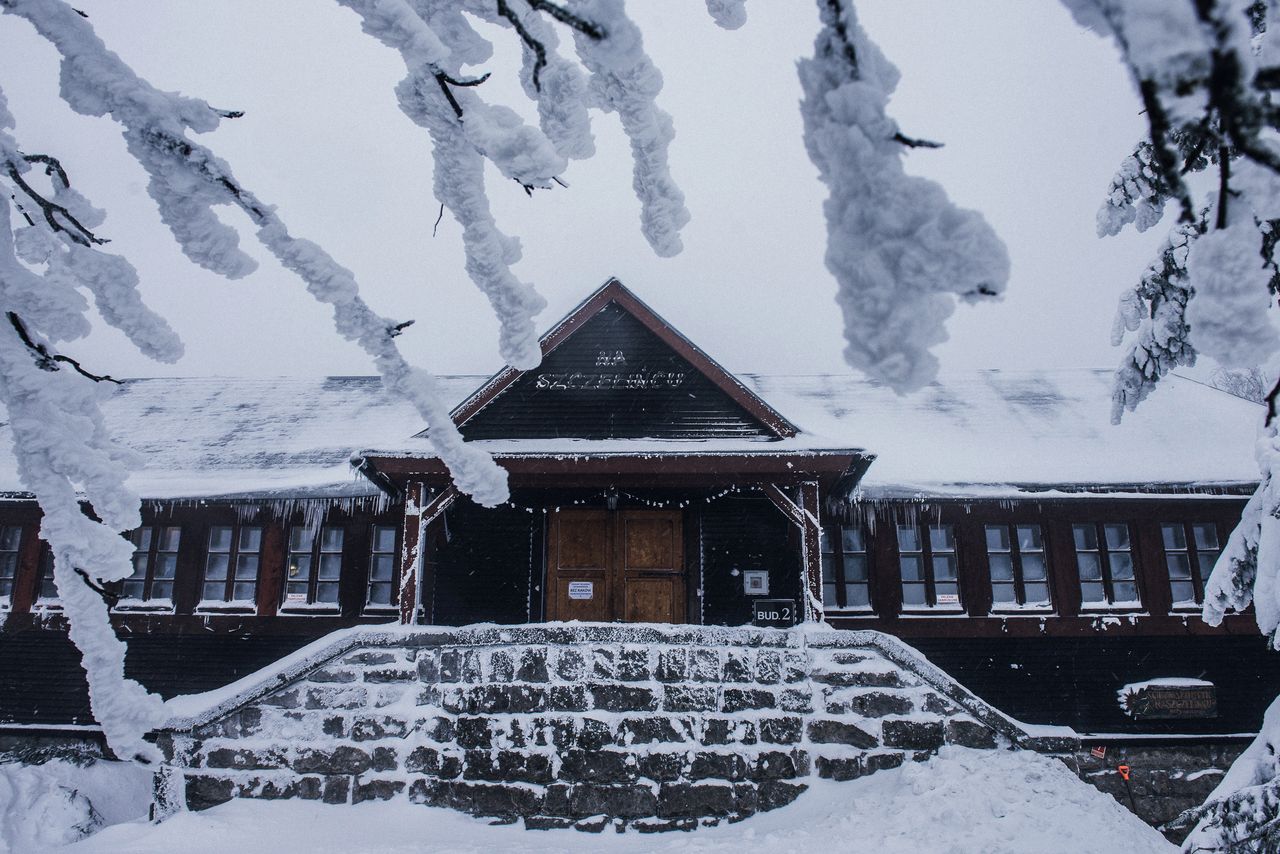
(581, 589)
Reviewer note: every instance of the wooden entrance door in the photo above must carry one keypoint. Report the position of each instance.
(620, 566)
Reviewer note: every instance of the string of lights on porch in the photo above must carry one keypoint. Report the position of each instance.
(611, 496)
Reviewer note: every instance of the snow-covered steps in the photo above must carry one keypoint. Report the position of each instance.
(662, 727)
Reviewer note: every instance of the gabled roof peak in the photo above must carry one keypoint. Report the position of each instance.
(613, 292)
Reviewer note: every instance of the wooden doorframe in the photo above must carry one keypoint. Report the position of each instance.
(617, 573)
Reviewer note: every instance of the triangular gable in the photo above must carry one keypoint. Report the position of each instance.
(614, 369)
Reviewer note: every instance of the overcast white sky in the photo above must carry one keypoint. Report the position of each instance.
(1035, 113)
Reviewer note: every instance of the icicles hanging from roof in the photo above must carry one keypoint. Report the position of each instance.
(313, 510)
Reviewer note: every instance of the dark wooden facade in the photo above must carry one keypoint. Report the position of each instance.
(648, 483)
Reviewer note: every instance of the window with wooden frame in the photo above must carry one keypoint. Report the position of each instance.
(1190, 551)
(155, 564)
(48, 593)
(231, 566)
(929, 567)
(845, 578)
(314, 567)
(382, 566)
(1104, 559)
(10, 540)
(1019, 572)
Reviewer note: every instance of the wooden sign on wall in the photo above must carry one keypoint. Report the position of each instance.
(773, 613)
(1148, 701)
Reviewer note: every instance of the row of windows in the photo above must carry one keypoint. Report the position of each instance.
(231, 566)
(928, 566)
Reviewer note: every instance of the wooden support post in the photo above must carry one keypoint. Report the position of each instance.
(410, 552)
(804, 515)
(417, 516)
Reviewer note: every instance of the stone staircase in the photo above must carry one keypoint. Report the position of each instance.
(655, 727)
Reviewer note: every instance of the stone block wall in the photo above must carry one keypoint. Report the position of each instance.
(655, 727)
(1164, 779)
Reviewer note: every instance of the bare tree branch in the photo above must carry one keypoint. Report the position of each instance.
(538, 48)
(47, 361)
(588, 28)
(911, 142)
(446, 81)
(58, 217)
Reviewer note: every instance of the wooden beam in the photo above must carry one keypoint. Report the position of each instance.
(417, 515)
(804, 515)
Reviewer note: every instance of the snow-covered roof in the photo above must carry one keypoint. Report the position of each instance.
(975, 433)
(216, 436)
(1001, 432)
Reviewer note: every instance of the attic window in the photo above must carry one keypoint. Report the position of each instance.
(1190, 551)
(155, 563)
(1104, 558)
(928, 563)
(231, 565)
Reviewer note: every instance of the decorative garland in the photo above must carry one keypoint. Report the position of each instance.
(648, 502)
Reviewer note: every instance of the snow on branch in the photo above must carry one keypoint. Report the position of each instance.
(900, 250)
(1156, 310)
(61, 443)
(436, 40)
(624, 80)
(466, 131)
(1201, 69)
(1204, 70)
(188, 180)
(729, 14)
(1242, 814)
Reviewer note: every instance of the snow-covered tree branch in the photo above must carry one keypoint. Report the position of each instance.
(1205, 71)
(899, 249)
(60, 440)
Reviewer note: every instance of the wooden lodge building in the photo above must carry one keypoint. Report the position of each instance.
(995, 521)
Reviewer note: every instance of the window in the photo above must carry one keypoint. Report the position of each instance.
(927, 559)
(844, 569)
(48, 588)
(1104, 558)
(315, 566)
(155, 563)
(231, 565)
(1019, 576)
(382, 564)
(10, 539)
(1190, 551)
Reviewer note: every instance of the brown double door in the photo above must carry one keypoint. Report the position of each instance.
(616, 566)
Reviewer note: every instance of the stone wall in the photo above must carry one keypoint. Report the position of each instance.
(582, 725)
(1164, 779)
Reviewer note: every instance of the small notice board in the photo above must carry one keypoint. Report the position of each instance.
(582, 589)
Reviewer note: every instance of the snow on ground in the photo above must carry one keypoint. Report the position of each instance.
(961, 802)
(58, 802)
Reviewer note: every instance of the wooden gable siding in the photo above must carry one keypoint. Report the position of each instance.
(613, 379)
